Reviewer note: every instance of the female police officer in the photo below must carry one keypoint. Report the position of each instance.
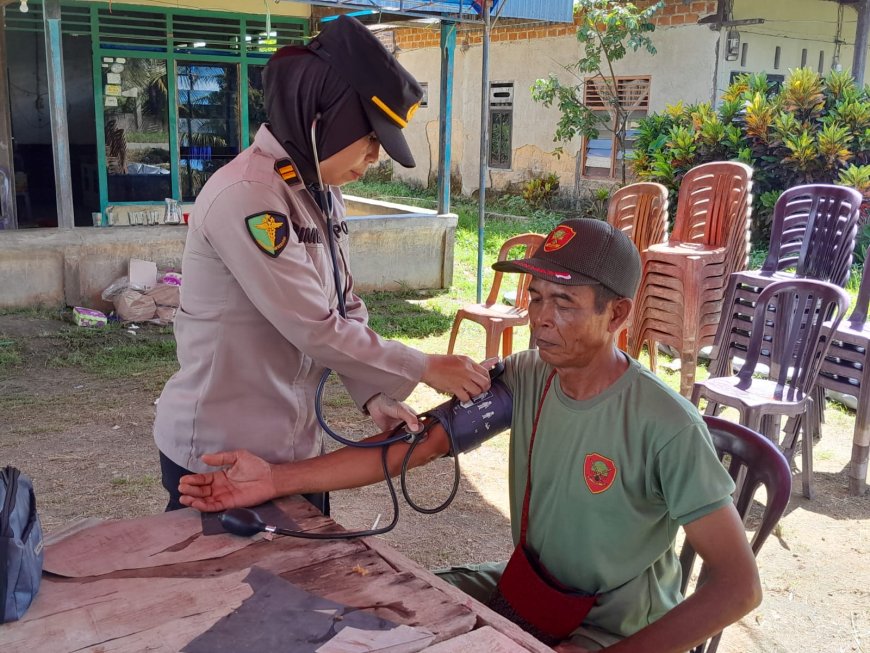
(263, 298)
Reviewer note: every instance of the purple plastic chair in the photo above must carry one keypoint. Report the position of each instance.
(753, 461)
(847, 369)
(813, 231)
(802, 314)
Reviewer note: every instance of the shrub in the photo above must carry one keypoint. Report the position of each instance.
(592, 203)
(538, 192)
(813, 129)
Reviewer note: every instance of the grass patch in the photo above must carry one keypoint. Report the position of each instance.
(135, 485)
(41, 312)
(393, 191)
(112, 352)
(10, 356)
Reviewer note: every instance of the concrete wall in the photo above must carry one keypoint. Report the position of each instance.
(397, 247)
(793, 25)
(522, 61)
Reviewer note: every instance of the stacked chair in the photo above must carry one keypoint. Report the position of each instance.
(641, 212)
(802, 314)
(496, 317)
(812, 236)
(846, 370)
(683, 282)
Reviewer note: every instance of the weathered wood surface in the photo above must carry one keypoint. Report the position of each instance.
(69, 616)
(162, 539)
(483, 639)
(155, 584)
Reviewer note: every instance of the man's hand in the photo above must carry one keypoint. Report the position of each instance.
(456, 375)
(388, 413)
(246, 482)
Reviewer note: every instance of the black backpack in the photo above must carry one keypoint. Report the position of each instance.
(21, 545)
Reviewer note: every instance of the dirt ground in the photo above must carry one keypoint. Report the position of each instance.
(86, 441)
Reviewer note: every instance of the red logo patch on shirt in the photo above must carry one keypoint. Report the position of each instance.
(599, 472)
(559, 237)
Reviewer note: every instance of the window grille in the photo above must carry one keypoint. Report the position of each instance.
(601, 156)
(501, 112)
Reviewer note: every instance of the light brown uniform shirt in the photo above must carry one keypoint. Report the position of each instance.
(254, 332)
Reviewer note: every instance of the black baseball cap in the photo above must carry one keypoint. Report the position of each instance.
(584, 252)
(389, 94)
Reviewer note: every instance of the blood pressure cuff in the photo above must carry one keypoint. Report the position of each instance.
(471, 423)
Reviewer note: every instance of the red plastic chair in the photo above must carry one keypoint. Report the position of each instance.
(640, 211)
(753, 461)
(803, 314)
(683, 282)
(497, 318)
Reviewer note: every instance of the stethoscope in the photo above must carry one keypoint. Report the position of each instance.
(326, 208)
(246, 522)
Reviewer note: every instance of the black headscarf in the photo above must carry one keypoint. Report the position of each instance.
(298, 85)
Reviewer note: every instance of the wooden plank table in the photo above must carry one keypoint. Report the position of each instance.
(158, 584)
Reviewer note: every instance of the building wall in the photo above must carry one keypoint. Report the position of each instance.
(523, 53)
(793, 25)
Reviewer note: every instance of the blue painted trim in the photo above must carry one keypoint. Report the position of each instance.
(445, 100)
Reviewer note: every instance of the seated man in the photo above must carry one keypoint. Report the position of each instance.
(620, 462)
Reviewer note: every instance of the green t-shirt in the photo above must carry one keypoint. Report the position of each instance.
(613, 478)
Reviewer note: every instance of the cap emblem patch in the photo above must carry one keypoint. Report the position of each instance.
(558, 238)
(270, 232)
(599, 472)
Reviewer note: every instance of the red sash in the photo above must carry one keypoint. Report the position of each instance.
(527, 593)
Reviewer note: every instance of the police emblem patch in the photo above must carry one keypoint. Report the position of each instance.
(270, 232)
(599, 472)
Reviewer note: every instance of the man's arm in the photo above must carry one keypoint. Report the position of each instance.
(731, 589)
(248, 480)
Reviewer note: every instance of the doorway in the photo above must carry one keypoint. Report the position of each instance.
(33, 159)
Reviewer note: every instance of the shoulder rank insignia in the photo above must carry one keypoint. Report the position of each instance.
(270, 232)
(287, 170)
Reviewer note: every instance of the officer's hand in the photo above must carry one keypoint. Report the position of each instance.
(388, 413)
(456, 375)
(246, 481)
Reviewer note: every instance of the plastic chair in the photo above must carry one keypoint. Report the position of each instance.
(641, 212)
(803, 314)
(683, 282)
(496, 318)
(753, 461)
(846, 369)
(813, 231)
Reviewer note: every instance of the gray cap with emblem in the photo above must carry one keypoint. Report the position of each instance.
(584, 252)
